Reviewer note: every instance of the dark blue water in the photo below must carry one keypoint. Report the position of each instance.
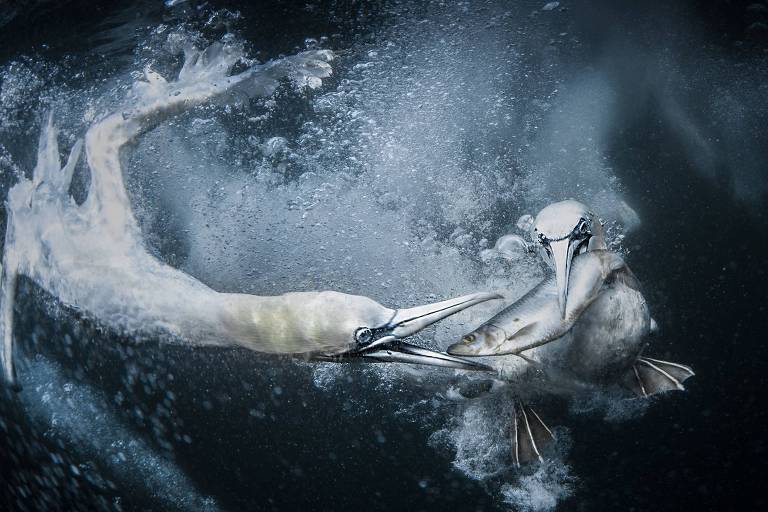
(685, 137)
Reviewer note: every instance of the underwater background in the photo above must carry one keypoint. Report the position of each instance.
(443, 123)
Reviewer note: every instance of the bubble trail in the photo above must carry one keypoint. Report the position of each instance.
(81, 416)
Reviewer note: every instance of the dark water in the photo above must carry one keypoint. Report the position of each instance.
(686, 138)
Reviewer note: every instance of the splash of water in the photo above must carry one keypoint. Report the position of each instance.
(480, 438)
(540, 491)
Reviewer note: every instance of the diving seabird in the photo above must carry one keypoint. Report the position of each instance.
(584, 327)
(92, 256)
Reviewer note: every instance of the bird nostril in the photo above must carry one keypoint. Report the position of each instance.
(469, 338)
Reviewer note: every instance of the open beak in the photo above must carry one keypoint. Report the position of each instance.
(397, 351)
(406, 322)
(562, 255)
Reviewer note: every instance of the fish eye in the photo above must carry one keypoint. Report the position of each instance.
(543, 239)
(363, 335)
(469, 338)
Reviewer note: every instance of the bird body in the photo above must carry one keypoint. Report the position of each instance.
(92, 256)
(603, 333)
(581, 329)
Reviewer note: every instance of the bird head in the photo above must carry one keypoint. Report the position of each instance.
(560, 232)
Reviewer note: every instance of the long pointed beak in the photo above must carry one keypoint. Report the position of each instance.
(562, 254)
(402, 352)
(407, 322)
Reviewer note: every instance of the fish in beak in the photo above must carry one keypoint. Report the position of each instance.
(385, 343)
(560, 232)
(561, 258)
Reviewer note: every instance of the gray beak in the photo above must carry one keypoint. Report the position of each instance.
(408, 322)
(389, 347)
(402, 352)
(562, 255)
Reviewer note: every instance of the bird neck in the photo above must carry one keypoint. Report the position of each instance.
(249, 320)
(293, 323)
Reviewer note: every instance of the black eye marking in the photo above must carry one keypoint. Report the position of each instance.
(363, 335)
(583, 228)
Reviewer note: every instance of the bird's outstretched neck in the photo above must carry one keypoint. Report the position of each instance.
(92, 256)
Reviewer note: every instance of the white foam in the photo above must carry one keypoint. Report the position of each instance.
(479, 437)
(541, 491)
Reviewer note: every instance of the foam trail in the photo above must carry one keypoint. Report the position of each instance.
(540, 491)
(82, 417)
(480, 438)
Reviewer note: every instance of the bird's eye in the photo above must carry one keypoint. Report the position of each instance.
(583, 227)
(363, 335)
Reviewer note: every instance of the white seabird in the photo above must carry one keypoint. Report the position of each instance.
(582, 328)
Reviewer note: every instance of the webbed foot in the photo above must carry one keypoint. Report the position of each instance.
(529, 435)
(648, 376)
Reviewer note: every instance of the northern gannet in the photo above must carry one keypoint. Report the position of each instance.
(583, 328)
(92, 256)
